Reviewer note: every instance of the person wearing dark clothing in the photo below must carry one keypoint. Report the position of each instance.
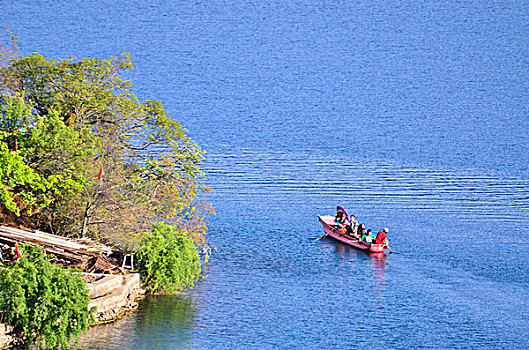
(341, 220)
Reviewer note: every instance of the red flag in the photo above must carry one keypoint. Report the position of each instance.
(16, 145)
(100, 173)
(17, 251)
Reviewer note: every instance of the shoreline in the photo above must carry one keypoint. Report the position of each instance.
(112, 295)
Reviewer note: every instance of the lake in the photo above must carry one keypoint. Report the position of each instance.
(412, 115)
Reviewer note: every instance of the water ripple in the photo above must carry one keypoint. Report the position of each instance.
(465, 194)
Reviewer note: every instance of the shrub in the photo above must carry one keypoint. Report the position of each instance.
(44, 301)
(168, 260)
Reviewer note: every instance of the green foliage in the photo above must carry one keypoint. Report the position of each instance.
(15, 114)
(75, 89)
(168, 260)
(59, 153)
(42, 300)
(83, 115)
(18, 180)
(48, 164)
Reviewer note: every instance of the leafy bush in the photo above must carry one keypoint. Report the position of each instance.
(15, 174)
(48, 163)
(168, 260)
(42, 300)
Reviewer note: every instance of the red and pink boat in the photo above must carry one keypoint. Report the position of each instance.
(328, 226)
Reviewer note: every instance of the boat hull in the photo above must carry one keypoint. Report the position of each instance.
(327, 221)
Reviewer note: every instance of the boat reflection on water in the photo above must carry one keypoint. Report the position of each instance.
(332, 247)
(346, 255)
(341, 249)
(379, 270)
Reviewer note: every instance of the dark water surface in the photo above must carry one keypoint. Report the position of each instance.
(413, 115)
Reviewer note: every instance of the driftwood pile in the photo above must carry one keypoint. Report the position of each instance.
(84, 254)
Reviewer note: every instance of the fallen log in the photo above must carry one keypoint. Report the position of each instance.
(83, 254)
(61, 254)
(41, 237)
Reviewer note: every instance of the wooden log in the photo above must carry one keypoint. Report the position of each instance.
(81, 255)
(61, 254)
(63, 248)
(42, 238)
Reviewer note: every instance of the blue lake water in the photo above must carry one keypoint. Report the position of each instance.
(413, 115)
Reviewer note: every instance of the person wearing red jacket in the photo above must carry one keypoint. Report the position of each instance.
(382, 237)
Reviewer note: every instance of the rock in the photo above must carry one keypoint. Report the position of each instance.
(118, 299)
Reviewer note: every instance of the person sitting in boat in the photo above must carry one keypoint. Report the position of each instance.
(341, 220)
(382, 237)
(360, 231)
(339, 216)
(354, 226)
(368, 236)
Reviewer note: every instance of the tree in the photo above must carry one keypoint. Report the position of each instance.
(151, 169)
(20, 185)
(50, 153)
(8, 51)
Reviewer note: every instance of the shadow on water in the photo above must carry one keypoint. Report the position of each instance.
(158, 321)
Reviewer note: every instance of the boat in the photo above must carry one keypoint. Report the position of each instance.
(328, 226)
